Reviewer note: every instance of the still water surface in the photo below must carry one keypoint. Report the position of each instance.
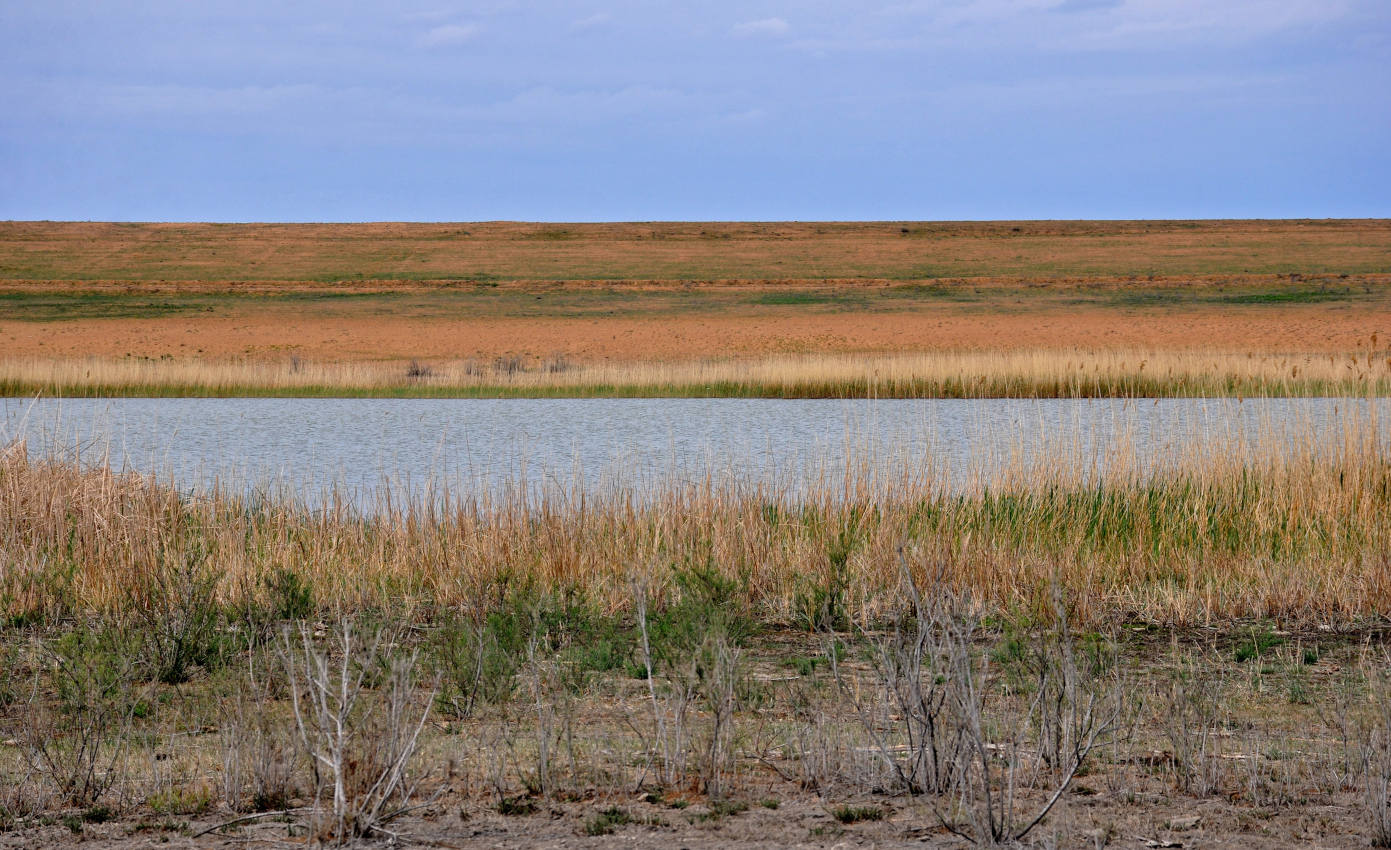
(304, 446)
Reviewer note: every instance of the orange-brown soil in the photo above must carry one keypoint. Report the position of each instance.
(1305, 328)
(665, 291)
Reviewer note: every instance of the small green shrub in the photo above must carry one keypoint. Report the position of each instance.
(607, 821)
(177, 620)
(289, 596)
(1099, 653)
(1257, 643)
(1299, 691)
(44, 593)
(94, 670)
(856, 814)
(1017, 657)
(516, 806)
(718, 810)
(709, 604)
(727, 808)
(181, 801)
(11, 674)
(477, 661)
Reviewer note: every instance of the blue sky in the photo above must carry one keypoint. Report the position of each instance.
(602, 110)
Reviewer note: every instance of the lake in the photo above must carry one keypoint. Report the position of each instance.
(571, 446)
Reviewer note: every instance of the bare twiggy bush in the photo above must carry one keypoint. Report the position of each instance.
(815, 747)
(491, 743)
(934, 723)
(1274, 775)
(78, 742)
(1376, 762)
(694, 662)
(1073, 711)
(911, 718)
(508, 366)
(1192, 714)
(22, 797)
(165, 776)
(1340, 712)
(1069, 691)
(555, 682)
(358, 720)
(721, 671)
(259, 750)
(668, 741)
(549, 703)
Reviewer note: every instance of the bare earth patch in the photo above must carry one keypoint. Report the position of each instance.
(1288, 329)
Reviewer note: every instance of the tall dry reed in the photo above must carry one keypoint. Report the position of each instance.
(1301, 535)
(991, 374)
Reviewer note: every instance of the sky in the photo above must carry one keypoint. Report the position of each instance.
(602, 110)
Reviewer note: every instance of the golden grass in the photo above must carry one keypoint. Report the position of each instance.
(1219, 534)
(994, 374)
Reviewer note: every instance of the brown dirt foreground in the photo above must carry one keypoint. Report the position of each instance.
(1147, 821)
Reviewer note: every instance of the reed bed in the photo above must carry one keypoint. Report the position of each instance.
(1209, 535)
(952, 374)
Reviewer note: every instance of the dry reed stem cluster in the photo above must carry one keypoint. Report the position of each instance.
(1302, 536)
(989, 374)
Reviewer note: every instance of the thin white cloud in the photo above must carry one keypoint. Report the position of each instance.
(592, 21)
(1086, 5)
(744, 116)
(1140, 21)
(763, 26)
(429, 16)
(1067, 26)
(448, 35)
(169, 99)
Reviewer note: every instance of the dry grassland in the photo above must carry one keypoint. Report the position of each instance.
(630, 295)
